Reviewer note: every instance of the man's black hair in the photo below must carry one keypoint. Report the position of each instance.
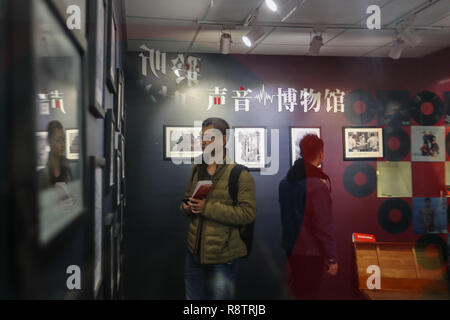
(218, 124)
(52, 126)
(311, 145)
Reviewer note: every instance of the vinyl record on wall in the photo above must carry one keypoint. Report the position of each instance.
(388, 224)
(360, 190)
(425, 260)
(393, 107)
(427, 119)
(397, 144)
(366, 115)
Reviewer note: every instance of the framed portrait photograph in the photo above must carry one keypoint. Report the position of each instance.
(250, 147)
(72, 144)
(109, 149)
(296, 135)
(42, 149)
(118, 179)
(97, 12)
(122, 150)
(111, 48)
(182, 142)
(96, 206)
(428, 143)
(362, 143)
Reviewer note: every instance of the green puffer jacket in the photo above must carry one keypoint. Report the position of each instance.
(217, 227)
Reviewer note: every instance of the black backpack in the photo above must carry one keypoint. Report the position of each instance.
(246, 232)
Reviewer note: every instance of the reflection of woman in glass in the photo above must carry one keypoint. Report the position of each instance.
(57, 168)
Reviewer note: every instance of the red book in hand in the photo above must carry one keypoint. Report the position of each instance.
(202, 189)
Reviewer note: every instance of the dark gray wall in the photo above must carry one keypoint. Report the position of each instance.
(156, 237)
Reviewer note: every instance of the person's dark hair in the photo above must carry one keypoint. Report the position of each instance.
(427, 199)
(311, 145)
(51, 128)
(218, 124)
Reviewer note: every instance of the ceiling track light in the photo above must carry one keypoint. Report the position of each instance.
(406, 32)
(272, 5)
(225, 43)
(317, 41)
(398, 45)
(396, 49)
(253, 36)
(315, 45)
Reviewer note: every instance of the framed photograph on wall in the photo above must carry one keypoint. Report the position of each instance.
(72, 144)
(119, 101)
(96, 207)
(118, 172)
(362, 143)
(250, 147)
(122, 150)
(181, 142)
(97, 19)
(296, 135)
(109, 149)
(112, 47)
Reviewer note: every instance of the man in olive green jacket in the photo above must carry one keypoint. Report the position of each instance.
(214, 243)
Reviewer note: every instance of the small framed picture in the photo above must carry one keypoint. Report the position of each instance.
(111, 48)
(119, 101)
(109, 149)
(182, 142)
(97, 10)
(250, 147)
(362, 143)
(96, 207)
(122, 150)
(72, 144)
(296, 135)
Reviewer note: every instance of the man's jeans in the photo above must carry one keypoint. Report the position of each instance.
(209, 281)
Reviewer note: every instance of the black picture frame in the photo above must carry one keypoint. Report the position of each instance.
(108, 266)
(96, 172)
(117, 172)
(168, 157)
(265, 145)
(364, 156)
(118, 103)
(109, 147)
(111, 48)
(291, 160)
(96, 40)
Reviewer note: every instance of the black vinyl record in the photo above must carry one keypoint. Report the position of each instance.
(422, 258)
(405, 144)
(432, 118)
(350, 113)
(390, 226)
(349, 179)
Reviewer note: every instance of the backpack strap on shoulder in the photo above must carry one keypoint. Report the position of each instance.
(233, 182)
